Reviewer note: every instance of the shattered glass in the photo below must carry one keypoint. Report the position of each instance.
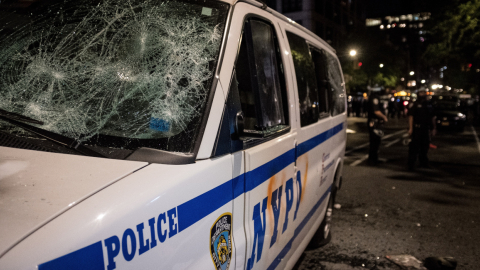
(335, 78)
(135, 70)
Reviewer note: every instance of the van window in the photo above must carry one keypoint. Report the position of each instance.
(321, 75)
(336, 82)
(305, 75)
(259, 76)
(123, 74)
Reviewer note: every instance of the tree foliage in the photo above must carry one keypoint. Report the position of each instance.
(373, 51)
(455, 42)
(456, 34)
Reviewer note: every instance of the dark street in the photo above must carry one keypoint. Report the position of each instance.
(387, 210)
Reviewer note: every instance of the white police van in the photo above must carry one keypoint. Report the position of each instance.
(166, 134)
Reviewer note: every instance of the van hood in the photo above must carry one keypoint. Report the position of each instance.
(35, 187)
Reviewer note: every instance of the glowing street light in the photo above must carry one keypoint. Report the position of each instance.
(412, 73)
(353, 53)
(423, 81)
(381, 65)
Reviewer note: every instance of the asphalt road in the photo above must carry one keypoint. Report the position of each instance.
(387, 210)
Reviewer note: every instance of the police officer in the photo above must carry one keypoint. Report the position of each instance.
(376, 118)
(421, 126)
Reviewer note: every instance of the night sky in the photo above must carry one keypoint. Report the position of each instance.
(381, 8)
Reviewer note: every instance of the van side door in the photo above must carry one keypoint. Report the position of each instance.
(259, 82)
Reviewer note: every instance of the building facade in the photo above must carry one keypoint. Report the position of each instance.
(408, 34)
(332, 20)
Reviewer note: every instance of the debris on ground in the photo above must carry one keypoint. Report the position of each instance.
(406, 261)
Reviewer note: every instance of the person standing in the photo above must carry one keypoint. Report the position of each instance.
(376, 118)
(421, 126)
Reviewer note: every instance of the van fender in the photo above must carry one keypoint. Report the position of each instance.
(338, 178)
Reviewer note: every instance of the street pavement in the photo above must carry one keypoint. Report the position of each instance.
(388, 210)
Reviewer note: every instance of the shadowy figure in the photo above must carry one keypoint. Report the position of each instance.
(421, 126)
(376, 118)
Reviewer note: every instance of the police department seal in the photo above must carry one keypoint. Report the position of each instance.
(221, 242)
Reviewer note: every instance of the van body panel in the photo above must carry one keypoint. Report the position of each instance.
(183, 207)
(31, 194)
(211, 129)
(255, 205)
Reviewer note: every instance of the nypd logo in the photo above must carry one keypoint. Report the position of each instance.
(220, 242)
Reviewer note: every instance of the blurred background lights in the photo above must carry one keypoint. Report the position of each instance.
(423, 81)
(353, 52)
(381, 65)
(412, 73)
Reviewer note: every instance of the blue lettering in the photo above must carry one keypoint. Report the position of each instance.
(299, 193)
(151, 223)
(144, 245)
(259, 233)
(289, 199)
(171, 222)
(162, 235)
(276, 212)
(113, 249)
(129, 233)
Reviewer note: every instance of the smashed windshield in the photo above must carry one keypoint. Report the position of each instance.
(114, 73)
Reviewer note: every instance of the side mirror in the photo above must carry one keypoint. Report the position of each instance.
(245, 134)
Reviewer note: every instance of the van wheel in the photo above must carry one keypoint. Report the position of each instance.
(323, 235)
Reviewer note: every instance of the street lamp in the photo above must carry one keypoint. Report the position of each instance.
(353, 53)
(412, 73)
(381, 65)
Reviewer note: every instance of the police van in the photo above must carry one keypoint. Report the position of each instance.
(166, 134)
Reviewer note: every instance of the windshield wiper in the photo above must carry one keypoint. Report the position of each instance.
(19, 117)
(18, 120)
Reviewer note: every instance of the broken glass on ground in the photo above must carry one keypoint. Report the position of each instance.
(406, 262)
(129, 69)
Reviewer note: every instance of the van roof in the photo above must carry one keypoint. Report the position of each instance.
(282, 17)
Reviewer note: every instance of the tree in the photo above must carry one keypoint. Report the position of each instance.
(455, 42)
(373, 50)
(456, 33)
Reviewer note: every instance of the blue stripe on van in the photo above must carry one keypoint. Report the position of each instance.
(319, 139)
(90, 257)
(205, 204)
(300, 227)
(258, 176)
(238, 185)
(190, 212)
(201, 206)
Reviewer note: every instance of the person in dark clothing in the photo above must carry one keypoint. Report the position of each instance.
(421, 126)
(376, 118)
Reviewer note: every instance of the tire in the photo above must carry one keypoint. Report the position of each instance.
(323, 235)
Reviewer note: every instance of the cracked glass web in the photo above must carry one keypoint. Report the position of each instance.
(133, 69)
